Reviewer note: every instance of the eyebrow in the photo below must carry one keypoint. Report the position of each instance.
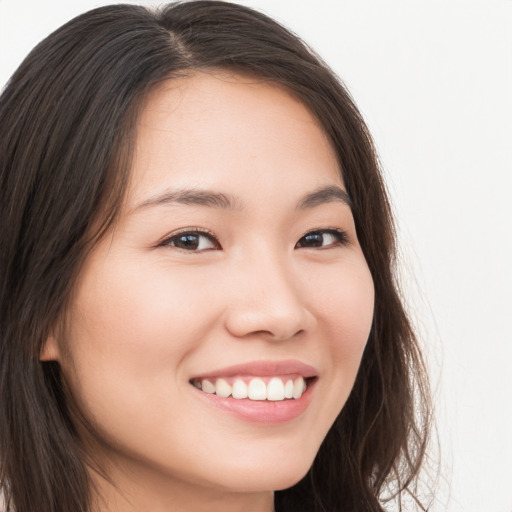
(193, 197)
(224, 201)
(324, 195)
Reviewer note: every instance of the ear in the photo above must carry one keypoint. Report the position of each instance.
(50, 350)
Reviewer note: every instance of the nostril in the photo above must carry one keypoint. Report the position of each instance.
(272, 317)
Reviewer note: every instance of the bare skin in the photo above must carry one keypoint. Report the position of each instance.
(255, 267)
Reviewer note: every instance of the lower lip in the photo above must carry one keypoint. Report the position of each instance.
(262, 411)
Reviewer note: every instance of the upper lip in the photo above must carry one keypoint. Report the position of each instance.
(263, 369)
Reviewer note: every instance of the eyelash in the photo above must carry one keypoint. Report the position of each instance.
(190, 232)
(338, 234)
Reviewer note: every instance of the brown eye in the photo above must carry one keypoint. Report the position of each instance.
(194, 241)
(322, 239)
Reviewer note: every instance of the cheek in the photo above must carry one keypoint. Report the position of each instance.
(131, 326)
(352, 322)
(143, 309)
(344, 305)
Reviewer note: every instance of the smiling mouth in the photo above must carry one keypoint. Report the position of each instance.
(268, 388)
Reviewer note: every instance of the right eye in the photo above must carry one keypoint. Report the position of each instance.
(192, 241)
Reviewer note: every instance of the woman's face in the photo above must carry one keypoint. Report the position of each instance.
(234, 266)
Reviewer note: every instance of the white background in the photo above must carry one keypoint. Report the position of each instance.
(433, 79)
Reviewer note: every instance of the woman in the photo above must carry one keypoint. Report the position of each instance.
(198, 307)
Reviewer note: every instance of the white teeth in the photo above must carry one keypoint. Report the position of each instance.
(257, 389)
(222, 388)
(298, 387)
(207, 386)
(288, 389)
(239, 389)
(276, 390)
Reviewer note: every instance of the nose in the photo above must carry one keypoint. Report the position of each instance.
(267, 301)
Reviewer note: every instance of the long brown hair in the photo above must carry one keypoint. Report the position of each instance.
(66, 128)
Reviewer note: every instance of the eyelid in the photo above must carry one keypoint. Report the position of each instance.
(190, 230)
(340, 234)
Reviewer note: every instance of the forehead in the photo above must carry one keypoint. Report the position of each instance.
(226, 130)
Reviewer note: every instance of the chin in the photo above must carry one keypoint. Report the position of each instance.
(261, 476)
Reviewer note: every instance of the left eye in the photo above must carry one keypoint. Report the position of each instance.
(322, 239)
(192, 241)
